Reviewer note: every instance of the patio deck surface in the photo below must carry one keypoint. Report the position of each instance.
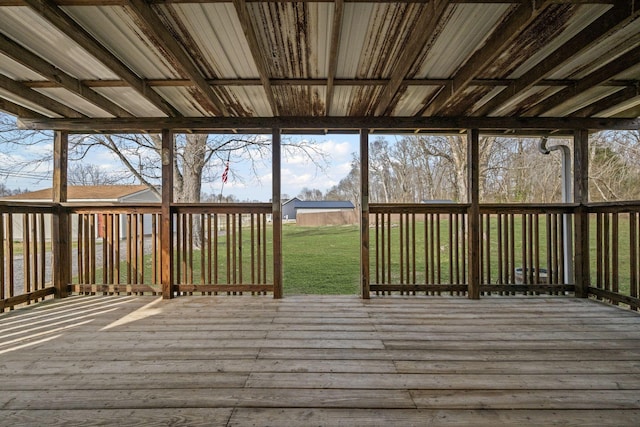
(312, 360)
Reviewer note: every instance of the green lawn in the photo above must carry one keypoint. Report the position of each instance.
(321, 260)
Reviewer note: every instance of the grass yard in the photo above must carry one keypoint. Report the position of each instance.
(321, 260)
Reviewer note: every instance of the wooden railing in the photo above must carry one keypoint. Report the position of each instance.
(423, 248)
(526, 248)
(614, 243)
(115, 248)
(25, 253)
(224, 248)
(228, 248)
(418, 248)
(216, 248)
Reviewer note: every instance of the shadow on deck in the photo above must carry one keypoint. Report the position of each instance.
(311, 360)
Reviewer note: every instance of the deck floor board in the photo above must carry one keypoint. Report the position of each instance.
(329, 360)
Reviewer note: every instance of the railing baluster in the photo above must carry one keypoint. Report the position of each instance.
(3, 259)
(633, 255)
(536, 247)
(481, 232)
(378, 251)
(438, 254)
(614, 255)
(413, 250)
(606, 237)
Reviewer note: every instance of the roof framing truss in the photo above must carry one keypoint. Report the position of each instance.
(448, 107)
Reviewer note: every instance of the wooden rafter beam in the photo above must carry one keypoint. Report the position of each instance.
(605, 72)
(619, 16)
(336, 30)
(256, 52)
(45, 102)
(502, 36)
(427, 23)
(152, 24)
(400, 124)
(166, 2)
(18, 110)
(30, 60)
(320, 82)
(48, 10)
(608, 102)
(635, 111)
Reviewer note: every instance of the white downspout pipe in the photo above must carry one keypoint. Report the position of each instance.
(566, 198)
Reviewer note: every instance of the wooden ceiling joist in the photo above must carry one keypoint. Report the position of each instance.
(22, 91)
(605, 72)
(619, 16)
(481, 58)
(320, 82)
(55, 16)
(18, 110)
(336, 30)
(427, 24)
(617, 98)
(153, 25)
(256, 52)
(303, 124)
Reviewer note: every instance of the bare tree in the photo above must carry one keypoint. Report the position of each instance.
(311, 194)
(90, 174)
(198, 158)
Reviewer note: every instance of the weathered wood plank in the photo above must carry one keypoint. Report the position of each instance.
(335, 360)
(209, 417)
(206, 397)
(479, 418)
(444, 381)
(527, 399)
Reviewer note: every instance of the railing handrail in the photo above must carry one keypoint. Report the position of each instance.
(232, 208)
(26, 207)
(418, 208)
(613, 207)
(538, 208)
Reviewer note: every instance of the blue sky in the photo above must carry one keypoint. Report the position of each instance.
(298, 171)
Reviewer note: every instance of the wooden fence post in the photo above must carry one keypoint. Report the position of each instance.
(60, 230)
(166, 231)
(364, 214)
(473, 214)
(581, 196)
(276, 200)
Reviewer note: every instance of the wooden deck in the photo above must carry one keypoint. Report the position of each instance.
(228, 361)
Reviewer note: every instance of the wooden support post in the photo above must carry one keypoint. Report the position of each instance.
(276, 212)
(581, 196)
(166, 231)
(473, 214)
(60, 233)
(364, 214)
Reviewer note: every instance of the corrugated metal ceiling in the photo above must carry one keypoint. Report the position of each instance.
(317, 58)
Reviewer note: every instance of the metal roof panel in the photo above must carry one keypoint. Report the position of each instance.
(213, 34)
(16, 71)
(27, 103)
(27, 28)
(116, 29)
(589, 60)
(463, 29)
(293, 36)
(130, 100)
(74, 101)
